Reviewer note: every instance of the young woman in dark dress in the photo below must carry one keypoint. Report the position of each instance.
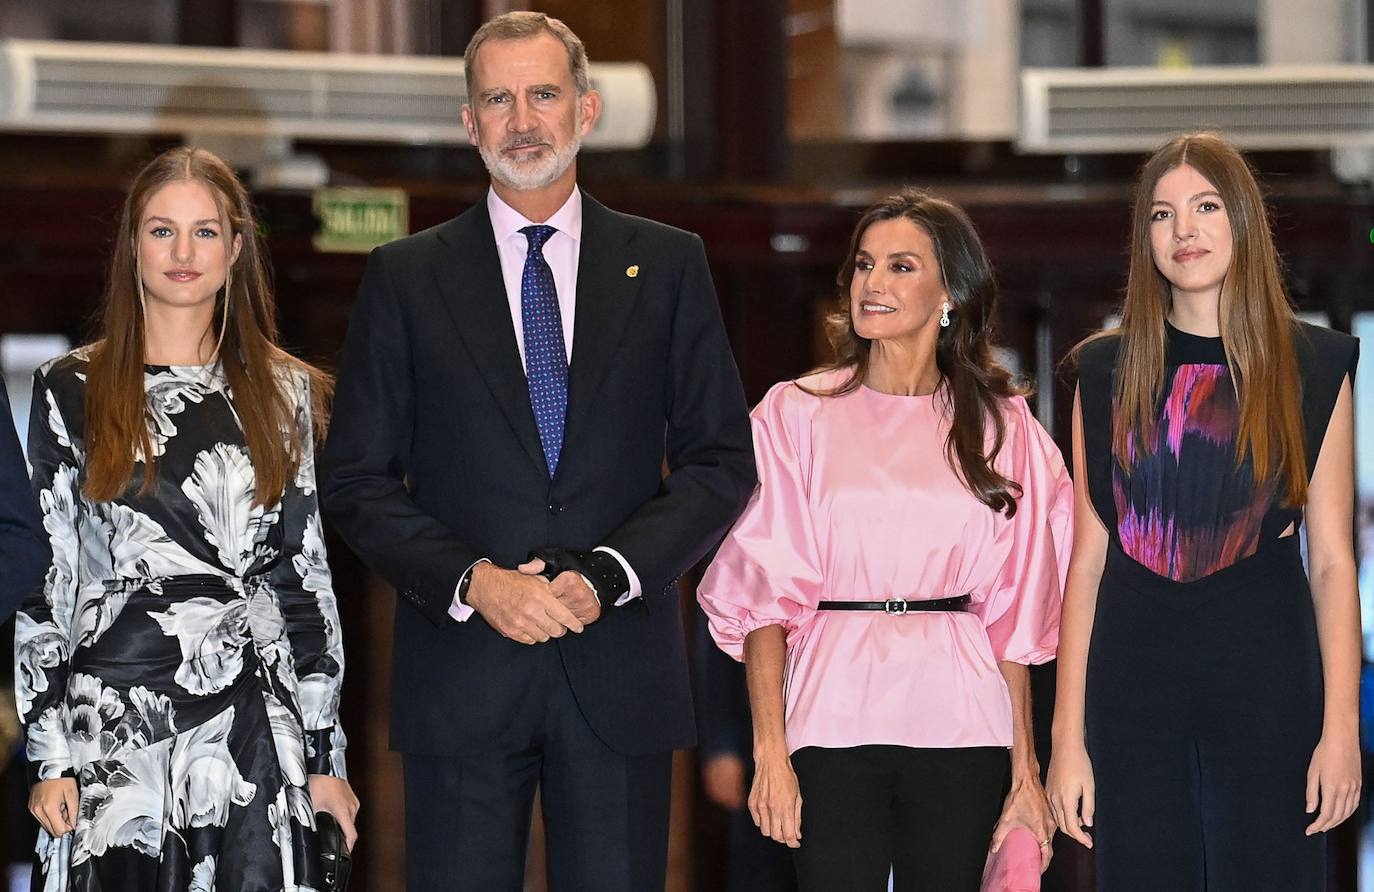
(1205, 733)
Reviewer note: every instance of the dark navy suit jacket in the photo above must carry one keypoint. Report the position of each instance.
(24, 552)
(433, 461)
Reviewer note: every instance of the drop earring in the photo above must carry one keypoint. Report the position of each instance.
(944, 315)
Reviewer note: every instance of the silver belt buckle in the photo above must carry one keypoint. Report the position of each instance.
(894, 606)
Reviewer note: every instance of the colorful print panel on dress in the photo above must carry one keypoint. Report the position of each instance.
(1186, 510)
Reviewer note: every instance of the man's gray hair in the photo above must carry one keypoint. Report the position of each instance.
(522, 25)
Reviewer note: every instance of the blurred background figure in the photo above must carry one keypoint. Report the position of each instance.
(24, 557)
(725, 754)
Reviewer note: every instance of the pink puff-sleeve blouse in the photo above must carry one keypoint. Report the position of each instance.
(856, 501)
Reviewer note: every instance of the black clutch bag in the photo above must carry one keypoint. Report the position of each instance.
(335, 862)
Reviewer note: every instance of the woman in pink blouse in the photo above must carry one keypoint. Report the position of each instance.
(898, 567)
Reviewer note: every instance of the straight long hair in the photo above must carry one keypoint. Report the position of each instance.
(117, 413)
(974, 383)
(1256, 320)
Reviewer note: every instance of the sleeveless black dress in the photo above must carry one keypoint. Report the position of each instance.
(1204, 686)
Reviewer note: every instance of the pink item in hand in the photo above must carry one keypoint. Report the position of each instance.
(1016, 866)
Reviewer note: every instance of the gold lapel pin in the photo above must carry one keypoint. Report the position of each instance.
(632, 271)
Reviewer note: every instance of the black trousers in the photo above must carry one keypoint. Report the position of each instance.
(1204, 703)
(926, 815)
(605, 813)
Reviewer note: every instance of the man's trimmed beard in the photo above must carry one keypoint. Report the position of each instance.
(531, 175)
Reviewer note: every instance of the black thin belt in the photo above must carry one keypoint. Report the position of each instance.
(896, 606)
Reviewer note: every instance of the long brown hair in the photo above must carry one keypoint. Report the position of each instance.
(973, 381)
(1256, 320)
(117, 412)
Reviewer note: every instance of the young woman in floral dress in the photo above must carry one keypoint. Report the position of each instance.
(178, 674)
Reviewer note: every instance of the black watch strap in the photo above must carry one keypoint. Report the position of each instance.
(608, 577)
(466, 583)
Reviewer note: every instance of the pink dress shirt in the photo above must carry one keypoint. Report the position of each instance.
(856, 501)
(561, 253)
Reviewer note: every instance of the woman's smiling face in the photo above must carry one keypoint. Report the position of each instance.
(898, 288)
(1190, 233)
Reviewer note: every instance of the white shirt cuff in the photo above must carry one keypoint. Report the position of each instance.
(458, 610)
(635, 591)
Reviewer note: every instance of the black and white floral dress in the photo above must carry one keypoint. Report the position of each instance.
(184, 659)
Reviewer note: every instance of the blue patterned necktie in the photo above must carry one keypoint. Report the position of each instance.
(546, 360)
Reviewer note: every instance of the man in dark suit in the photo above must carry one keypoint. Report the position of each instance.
(513, 382)
(24, 557)
(24, 552)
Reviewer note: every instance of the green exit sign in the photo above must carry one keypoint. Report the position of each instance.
(358, 220)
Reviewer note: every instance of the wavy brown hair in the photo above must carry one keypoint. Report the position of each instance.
(117, 413)
(1256, 320)
(973, 382)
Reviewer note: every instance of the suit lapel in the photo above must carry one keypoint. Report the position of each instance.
(606, 293)
(469, 276)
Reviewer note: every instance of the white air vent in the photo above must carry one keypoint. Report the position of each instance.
(1136, 109)
(136, 88)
